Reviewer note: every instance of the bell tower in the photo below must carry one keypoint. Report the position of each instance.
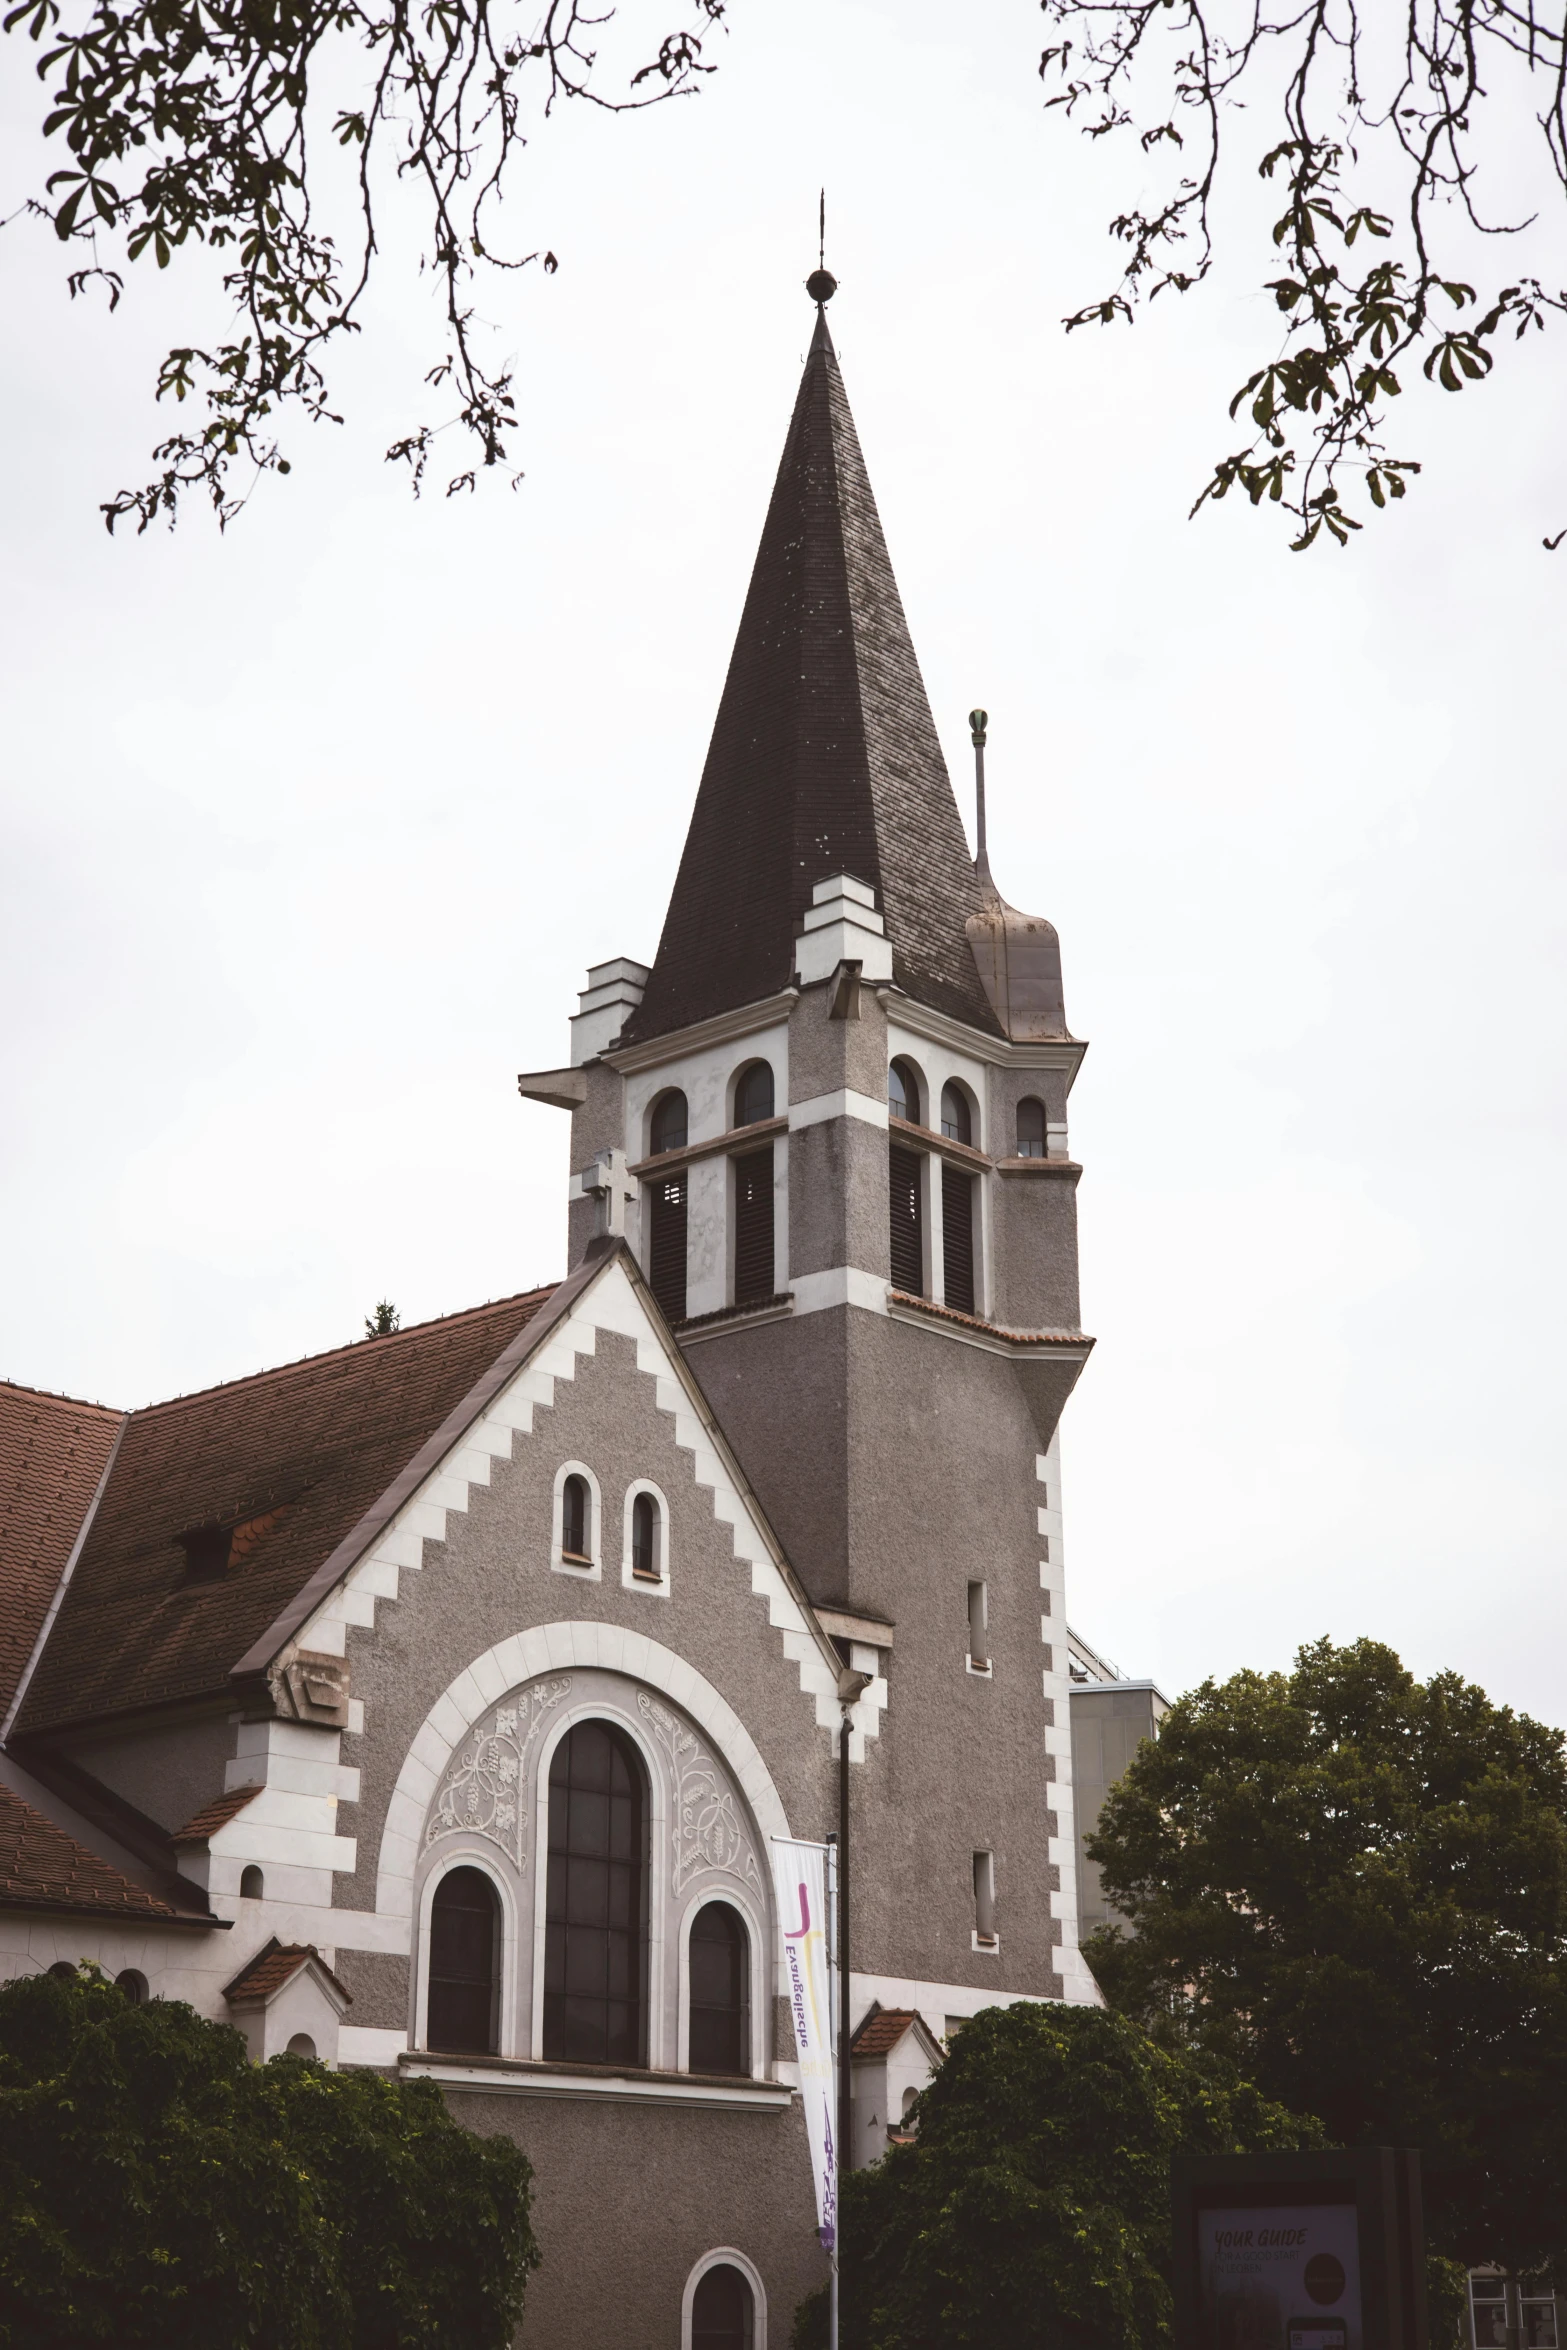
(831, 1120)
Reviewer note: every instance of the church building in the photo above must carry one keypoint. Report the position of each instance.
(431, 1704)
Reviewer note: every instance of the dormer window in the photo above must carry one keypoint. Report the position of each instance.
(754, 1094)
(206, 1551)
(957, 1122)
(903, 1092)
(670, 1125)
(1030, 1129)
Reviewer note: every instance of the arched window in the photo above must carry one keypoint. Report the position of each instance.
(722, 2312)
(754, 1094)
(134, 1986)
(903, 1092)
(645, 1559)
(252, 1884)
(576, 1521)
(956, 1123)
(720, 2034)
(671, 1123)
(594, 1931)
(63, 1971)
(464, 1930)
(302, 2045)
(1030, 1129)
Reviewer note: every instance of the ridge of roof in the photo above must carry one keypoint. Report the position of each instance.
(824, 756)
(350, 1346)
(75, 1403)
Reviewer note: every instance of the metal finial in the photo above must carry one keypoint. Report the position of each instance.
(978, 721)
(821, 285)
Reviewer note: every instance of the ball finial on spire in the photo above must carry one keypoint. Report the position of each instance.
(821, 285)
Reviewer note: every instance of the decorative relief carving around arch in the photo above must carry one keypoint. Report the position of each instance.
(707, 1831)
(483, 1791)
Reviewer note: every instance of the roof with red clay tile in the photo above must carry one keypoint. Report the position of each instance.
(214, 1815)
(881, 2031)
(52, 1455)
(275, 1964)
(41, 1867)
(310, 1448)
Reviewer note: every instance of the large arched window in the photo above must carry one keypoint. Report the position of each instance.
(903, 1092)
(723, 2311)
(1030, 1129)
(754, 1094)
(670, 1123)
(720, 2035)
(957, 1122)
(460, 2011)
(595, 1935)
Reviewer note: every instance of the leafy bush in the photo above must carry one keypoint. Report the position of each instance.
(1033, 2209)
(160, 2190)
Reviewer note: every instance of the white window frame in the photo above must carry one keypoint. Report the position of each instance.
(560, 1564)
(760, 1990)
(632, 1581)
(468, 1852)
(726, 2256)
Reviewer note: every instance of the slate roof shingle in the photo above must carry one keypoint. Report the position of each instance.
(52, 1455)
(327, 1436)
(41, 1867)
(824, 757)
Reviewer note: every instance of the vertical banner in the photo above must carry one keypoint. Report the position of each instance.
(800, 1880)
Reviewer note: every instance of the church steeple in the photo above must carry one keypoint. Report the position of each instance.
(824, 757)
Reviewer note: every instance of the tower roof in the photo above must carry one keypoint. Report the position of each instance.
(824, 757)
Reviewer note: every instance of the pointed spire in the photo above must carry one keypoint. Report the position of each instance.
(824, 757)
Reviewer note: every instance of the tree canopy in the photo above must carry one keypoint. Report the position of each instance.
(1033, 2207)
(161, 2192)
(1353, 1884)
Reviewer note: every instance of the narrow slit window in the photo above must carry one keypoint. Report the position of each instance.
(908, 1233)
(978, 1628)
(646, 1559)
(754, 1226)
(903, 1092)
(957, 1122)
(575, 1521)
(667, 1200)
(754, 1095)
(460, 2013)
(957, 1238)
(1030, 1129)
(719, 2039)
(985, 1899)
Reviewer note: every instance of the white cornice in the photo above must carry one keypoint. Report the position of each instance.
(1064, 1052)
(498, 2076)
(744, 1020)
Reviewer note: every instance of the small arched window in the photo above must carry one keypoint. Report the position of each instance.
(63, 1971)
(720, 2034)
(723, 2313)
(302, 2045)
(575, 1521)
(754, 1094)
(903, 1092)
(595, 1933)
(464, 1923)
(645, 1547)
(252, 1884)
(670, 1124)
(133, 1985)
(956, 1123)
(1030, 1129)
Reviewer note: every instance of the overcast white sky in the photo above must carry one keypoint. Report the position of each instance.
(311, 831)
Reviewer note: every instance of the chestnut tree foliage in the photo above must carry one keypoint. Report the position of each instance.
(1353, 1885)
(1384, 133)
(207, 122)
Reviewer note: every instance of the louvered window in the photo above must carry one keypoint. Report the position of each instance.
(908, 1245)
(754, 1226)
(667, 1248)
(957, 1237)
